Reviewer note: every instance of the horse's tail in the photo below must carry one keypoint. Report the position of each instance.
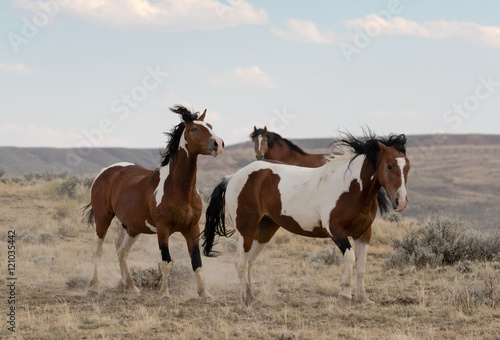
(215, 218)
(384, 205)
(88, 214)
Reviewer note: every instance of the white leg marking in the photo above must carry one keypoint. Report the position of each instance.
(202, 290)
(361, 250)
(165, 268)
(96, 255)
(256, 249)
(123, 252)
(242, 268)
(159, 191)
(349, 258)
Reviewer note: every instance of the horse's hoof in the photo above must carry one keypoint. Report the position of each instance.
(343, 301)
(364, 301)
(134, 291)
(205, 295)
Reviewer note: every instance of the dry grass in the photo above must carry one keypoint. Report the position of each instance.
(297, 280)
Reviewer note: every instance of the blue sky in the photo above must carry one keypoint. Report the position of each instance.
(104, 72)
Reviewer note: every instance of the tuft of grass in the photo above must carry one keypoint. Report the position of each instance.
(77, 282)
(147, 278)
(322, 258)
(443, 241)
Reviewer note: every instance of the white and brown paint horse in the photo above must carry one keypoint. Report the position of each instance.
(336, 200)
(270, 145)
(161, 201)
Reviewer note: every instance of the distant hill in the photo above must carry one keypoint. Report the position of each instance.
(452, 173)
(20, 161)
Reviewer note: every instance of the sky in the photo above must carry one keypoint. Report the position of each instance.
(101, 73)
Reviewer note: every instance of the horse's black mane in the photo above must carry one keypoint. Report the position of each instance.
(175, 134)
(368, 144)
(272, 136)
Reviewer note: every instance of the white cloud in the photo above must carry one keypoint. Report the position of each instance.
(374, 25)
(15, 69)
(439, 29)
(307, 32)
(160, 15)
(246, 77)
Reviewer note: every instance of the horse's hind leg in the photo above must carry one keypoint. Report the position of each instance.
(96, 255)
(102, 225)
(123, 249)
(267, 229)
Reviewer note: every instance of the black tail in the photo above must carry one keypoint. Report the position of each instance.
(88, 214)
(384, 205)
(215, 219)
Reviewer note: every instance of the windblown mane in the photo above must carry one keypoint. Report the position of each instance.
(368, 144)
(272, 137)
(175, 134)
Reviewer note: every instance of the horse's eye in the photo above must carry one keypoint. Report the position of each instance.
(389, 167)
(193, 129)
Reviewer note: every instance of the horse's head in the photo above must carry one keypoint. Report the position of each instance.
(259, 138)
(392, 168)
(198, 135)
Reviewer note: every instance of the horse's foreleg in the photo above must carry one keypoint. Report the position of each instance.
(96, 255)
(361, 248)
(344, 298)
(166, 262)
(192, 241)
(123, 251)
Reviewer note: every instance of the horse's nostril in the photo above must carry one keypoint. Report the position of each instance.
(397, 200)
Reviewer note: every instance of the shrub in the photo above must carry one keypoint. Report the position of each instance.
(2, 172)
(443, 241)
(68, 187)
(321, 258)
(77, 282)
(149, 277)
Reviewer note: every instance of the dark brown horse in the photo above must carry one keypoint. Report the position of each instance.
(270, 145)
(161, 201)
(336, 200)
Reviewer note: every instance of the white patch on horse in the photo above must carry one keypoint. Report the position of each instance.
(204, 124)
(123, 164)
(402, 189)
(260, 143)
(312, 187)
(151, 227)
(159, 191)
(183, 143)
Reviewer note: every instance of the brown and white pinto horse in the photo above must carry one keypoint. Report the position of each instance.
(336, 200)
(161, 201)
(270, 145)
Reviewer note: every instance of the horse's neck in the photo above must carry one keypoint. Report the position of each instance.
(358, 170)
(183, 171)
(283, 153)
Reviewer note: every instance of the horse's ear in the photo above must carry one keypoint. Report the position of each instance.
(254, 128)
(202, 117)
(265, 129)
(382, 147)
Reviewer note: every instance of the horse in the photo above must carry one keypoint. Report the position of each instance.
(336, 201)
(270, 145)
(161, 201)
